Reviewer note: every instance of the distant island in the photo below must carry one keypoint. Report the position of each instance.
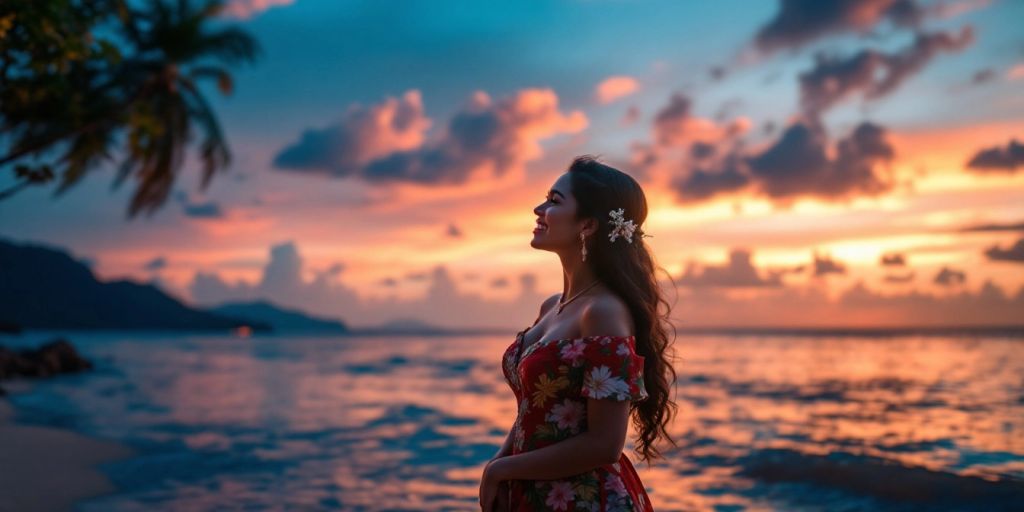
(280, 319)
(45, 288)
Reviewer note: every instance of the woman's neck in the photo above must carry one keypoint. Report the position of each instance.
(576, 275)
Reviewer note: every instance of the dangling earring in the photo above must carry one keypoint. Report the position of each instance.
(583, 244)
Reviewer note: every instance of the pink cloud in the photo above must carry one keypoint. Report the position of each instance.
(245, 9)
(363, 134)
(615, 87)
(1016, 72)
(385, 143)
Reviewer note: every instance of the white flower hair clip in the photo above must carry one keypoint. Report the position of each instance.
(623, 227)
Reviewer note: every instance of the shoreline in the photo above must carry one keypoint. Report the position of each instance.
(46, 468)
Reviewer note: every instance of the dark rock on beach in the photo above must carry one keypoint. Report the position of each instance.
(9, 327)
(55, 357)
(864, 475)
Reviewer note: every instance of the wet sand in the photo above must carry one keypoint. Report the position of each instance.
(45, 469)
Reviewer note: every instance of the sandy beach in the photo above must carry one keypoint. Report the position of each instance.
(46, 469)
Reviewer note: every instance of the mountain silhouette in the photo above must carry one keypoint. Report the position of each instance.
(45, 288)
(279, 318)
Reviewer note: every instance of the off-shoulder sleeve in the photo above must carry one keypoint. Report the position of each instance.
(612, 369)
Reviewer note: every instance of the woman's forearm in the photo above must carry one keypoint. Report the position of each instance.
(572, 456)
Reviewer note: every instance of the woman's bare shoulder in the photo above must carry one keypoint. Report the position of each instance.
(606, 314)
(549, 303)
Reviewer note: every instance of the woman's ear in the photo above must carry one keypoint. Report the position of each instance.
(590, 227)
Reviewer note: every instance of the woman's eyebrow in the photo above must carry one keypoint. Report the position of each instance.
(553, 191)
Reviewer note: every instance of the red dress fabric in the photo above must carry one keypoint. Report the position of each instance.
(552, 383)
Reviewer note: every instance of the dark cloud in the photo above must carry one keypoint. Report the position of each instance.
(894, 260)
(702, 184)
(738, 272)
(899, 278)
(155, 264)
(671, 121)
(990, 305)
(332, 271)
(643, 156)
(949, 277)
(998, 159)
(1012, 253)
(983, 76)
(872, 73)
(994, 227)
(528, 283)
(202, 210)
(207, 210)
(360, 136)
(496, 136)
(824, 264)
(797, 163)
(800, 22)
(388, 282)
(499, 282)
(284, 270)
(701, 151)
(453, 231)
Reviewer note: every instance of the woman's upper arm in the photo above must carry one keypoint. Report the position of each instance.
(607, 420)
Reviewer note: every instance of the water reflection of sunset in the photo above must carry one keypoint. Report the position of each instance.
(385, 422)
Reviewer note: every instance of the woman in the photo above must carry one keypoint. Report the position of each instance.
(594, 357)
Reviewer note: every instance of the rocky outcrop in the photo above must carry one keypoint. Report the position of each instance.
(55, 357)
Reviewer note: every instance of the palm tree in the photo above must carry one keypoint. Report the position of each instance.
(150, 99)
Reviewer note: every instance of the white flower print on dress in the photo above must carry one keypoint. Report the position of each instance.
(568, 414)
(560, 496)
(623, 350)
(600, 383)
(573, 352)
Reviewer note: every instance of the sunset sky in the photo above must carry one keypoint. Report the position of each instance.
(849, 163)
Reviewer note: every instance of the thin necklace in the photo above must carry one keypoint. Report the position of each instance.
(563, 304)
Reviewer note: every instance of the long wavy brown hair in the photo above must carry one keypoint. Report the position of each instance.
(628, 269)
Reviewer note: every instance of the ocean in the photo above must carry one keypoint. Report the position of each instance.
(765, 422)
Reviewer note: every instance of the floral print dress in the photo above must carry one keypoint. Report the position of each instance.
(552, 383)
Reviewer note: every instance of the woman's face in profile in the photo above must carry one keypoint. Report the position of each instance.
(556, 225)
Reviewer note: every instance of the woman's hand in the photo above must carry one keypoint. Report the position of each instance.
(493, 491)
